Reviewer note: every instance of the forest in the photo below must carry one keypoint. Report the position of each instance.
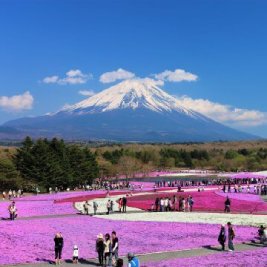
(49, 163)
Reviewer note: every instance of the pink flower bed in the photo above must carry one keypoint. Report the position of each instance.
(203, 201)
(61, 195)
(25, 241)
(255, 257)
(241, 196)
(37, 208)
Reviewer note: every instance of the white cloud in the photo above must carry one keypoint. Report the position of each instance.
(224, 113)
(119, 74)
(17, 102)
(177, 75)
(86, 92)
(51, 79)
(72, 77)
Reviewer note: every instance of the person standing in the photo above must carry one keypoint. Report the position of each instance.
(108, 206)
(120, 204)
(157, 204)
(9, 194)
(108, 250)
(111, 206)
(124, 204)
(166, 204)
(59, 242)
(231, 236)
(162, 204)
(95, 206)
(75, 255)
(86, 207)
(190, 203)
(227, 205)
(100, 247)
(4, 195)
(222, 237)
(115, 246)
(183, 204)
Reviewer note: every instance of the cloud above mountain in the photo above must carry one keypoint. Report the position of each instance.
(17, 103)
(72, 77)
(178, 75)
(119, 74)
(224, 113)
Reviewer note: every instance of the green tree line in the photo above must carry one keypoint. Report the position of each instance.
(45, 164)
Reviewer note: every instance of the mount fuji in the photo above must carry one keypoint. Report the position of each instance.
(135, 110)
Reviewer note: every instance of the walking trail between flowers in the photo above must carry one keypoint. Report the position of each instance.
(185, 236)
(155, 257)
(159, 256)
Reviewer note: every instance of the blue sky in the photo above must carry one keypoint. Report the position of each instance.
(222, 43)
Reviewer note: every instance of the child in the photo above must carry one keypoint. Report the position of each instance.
(75, 254)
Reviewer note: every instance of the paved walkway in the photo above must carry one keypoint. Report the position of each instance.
(158, 256)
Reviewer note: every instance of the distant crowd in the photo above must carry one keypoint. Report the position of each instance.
(173, 204)
(12, 194)
(256, 186)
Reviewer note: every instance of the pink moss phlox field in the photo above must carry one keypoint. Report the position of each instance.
(241, 196)
(37, 208)
(254, 257)
(203, 201)
(33, 240)
(60, 195)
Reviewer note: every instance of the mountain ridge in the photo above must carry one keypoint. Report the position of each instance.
(133, 110)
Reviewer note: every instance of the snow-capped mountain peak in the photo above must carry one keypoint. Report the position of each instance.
(133, 94)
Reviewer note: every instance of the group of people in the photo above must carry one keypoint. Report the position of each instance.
(107, 248)
(122, 206)
(12, 194)
(258, 189)
(229, 235)
(173, 204)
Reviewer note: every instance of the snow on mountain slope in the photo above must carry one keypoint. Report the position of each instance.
(135, 110)
(135, 93)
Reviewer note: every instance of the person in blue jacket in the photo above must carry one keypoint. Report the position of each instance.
(133, 260)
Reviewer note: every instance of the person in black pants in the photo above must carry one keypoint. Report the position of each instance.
(222, 237)
(227, 205)
(58, 247)
(100, 247)
(124, 203)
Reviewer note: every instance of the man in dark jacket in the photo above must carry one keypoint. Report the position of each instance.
(124, 203)
(227, 205)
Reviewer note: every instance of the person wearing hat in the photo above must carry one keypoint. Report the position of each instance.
(133, 261)
(75, 254)
(100, 247)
